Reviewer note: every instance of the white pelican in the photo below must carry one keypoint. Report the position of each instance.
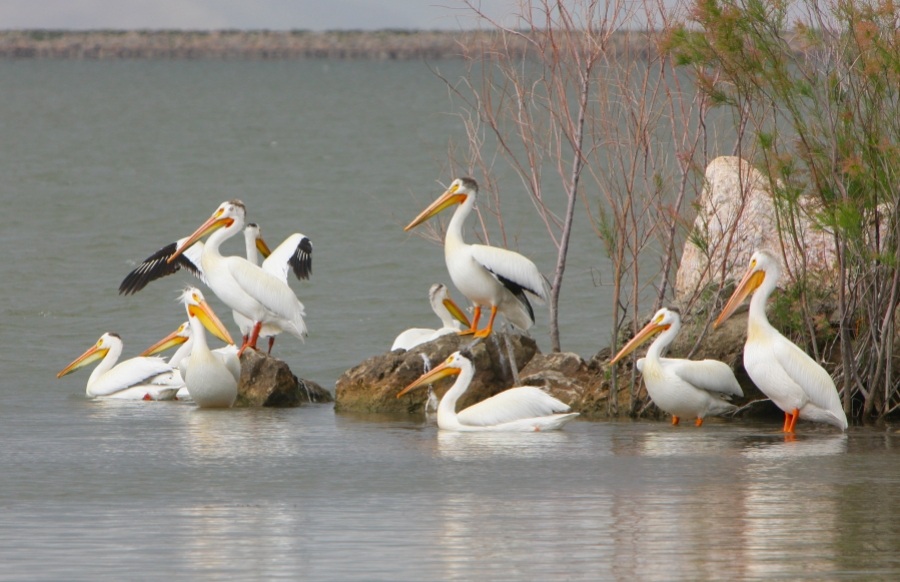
(488, 276)
(134, 379)
(782, 371)
(525, 408)
(293, 254)
(183, 338)
(681, 387)
(446, 309)
(241, 285)
(211, 380)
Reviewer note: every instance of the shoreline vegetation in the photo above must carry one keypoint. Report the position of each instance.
(381, 45)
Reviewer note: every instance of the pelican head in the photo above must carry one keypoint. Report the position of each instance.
(460, 190)
(96, 352)
(442, 303)
(662, 320)
(254, 237)
(227, 215)
(177, 337)
(197, 308)
(452, 366)
(764, 269)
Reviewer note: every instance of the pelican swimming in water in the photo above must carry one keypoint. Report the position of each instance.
(683, 388)
(525, 408)
(244, 287)
(183, 337)
(139, 378)
(446, 309)
(490, 277)
(211, 379)
(782, 371)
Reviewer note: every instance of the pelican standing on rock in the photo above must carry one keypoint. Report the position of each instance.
(446, 309)
(683, 388)
(211, 381)
(138, 378)
(241, 285)
(490, 277)
(782, 371)
(524, 408)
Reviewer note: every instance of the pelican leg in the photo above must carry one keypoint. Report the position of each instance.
(794, 416)
(271, 343)
(698, 422)
(251, 342)
(787, 421)
(476, 315)
(490, 326)
(675, 420)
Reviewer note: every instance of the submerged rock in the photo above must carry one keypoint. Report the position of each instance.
(372, 386)
(268, 381)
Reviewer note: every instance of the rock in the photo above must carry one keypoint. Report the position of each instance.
(563, 374)
(372, 386)
(737, 198)
(268, 381)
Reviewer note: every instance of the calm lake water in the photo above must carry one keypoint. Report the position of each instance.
(103, 163)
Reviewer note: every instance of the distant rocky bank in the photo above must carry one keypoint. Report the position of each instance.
(259, 45)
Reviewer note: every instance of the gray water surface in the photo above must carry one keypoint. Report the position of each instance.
(103, 163)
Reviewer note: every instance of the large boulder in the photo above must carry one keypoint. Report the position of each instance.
(268, 381)
(372, 386)
(735, 216)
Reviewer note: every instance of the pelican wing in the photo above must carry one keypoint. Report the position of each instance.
(228, 355)
(157, 266)
(129, 373)
(510, 405)
(710, 375)
(271, 292)
(516, 272)
(295, 252)
(809, 375)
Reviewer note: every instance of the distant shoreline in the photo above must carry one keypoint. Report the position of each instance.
(382, 45)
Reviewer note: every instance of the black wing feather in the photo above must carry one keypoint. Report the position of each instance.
(301, 260)
(155, 267)
(518, 291)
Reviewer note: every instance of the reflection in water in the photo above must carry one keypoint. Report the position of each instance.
(787, 505)
(236, 433)
(483, 445)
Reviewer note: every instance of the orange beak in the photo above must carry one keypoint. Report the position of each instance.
(446, 200)
(215, 222)
(642, 336)
(749, 283)
(442, 371)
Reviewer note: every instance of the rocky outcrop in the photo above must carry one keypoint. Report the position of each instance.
(268, 381)
(372, 386)
(736, 216)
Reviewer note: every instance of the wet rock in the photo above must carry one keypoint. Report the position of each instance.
(372, 386)
(564, 375)
(268, 381)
